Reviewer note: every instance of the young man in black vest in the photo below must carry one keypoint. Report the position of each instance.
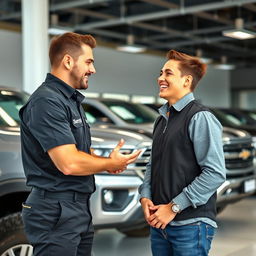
(178, 195)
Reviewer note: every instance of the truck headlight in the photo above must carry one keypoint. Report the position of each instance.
(102, 152)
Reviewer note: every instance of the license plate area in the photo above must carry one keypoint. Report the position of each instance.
(249, 185)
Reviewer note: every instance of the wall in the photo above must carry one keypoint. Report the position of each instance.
(117, 72)
(243, 79)
(243, 86)
(10, 59)
(137, 74)
(214, 88)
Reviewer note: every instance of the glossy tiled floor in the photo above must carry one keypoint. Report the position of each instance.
(236, 235)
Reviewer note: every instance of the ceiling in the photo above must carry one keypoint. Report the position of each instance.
(192, 26)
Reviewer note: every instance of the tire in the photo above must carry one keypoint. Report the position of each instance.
(13, 240)
(141, 232)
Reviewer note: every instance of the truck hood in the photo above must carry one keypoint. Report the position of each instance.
(10, 148)
(231, 135)
(109, 136)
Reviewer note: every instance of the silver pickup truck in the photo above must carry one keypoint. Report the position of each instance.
(114, 204)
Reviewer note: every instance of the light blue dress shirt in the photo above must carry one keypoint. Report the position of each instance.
(205, 132)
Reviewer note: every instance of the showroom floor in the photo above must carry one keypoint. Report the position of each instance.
(236, 235)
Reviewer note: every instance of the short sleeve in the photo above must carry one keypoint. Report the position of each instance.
(49, 124)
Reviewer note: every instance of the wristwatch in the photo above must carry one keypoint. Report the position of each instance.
(175, 208)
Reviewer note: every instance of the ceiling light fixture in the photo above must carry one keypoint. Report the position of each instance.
(223, 65)
(131, 47)
(239, 32)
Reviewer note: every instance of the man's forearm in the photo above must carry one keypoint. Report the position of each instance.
(86, 164)
(200, 190)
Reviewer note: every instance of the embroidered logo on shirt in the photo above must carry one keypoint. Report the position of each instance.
(77, 121)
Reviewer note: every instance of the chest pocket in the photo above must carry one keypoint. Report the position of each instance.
(81, 132)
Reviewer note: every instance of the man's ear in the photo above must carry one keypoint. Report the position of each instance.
(188, 81)
(68, 62)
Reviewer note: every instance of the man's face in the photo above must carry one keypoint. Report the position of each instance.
(83, 68)
(172, 85)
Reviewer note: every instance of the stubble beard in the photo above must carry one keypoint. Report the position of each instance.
(78, 82)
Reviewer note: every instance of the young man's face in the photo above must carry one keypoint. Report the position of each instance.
(172, 85)
(83, 68)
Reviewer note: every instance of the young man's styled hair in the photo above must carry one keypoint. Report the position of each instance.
(68, 43)
(189, 65)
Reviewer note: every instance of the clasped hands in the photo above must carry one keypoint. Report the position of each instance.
(157, 216)
(119, 160)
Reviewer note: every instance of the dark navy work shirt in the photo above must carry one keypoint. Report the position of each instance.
(53, 116)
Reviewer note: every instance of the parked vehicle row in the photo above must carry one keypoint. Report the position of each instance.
(115, 203)
(238, 119)
(238, 145)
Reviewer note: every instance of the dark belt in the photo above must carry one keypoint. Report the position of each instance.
(63, 195)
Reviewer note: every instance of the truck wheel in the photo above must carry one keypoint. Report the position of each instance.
(13, 240)
(141, 232)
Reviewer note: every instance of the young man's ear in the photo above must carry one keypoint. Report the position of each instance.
(188, 81)
(68, 62)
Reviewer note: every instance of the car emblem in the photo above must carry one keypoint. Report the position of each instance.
(245, 154)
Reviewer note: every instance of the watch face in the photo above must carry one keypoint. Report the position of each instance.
(175, 208)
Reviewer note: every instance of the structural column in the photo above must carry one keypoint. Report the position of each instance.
(35, 42)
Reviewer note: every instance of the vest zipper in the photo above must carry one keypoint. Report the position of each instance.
(166, 123)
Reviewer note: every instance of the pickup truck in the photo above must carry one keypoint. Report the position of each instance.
(114, 204)
(237, 144)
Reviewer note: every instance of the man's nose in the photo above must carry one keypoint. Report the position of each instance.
(92, 69)
(160, 78)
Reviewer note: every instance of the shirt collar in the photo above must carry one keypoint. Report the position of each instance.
(183, 102)
(78, 96)
(66, 89)
(179, 105)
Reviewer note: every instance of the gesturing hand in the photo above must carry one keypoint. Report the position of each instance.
(120, 161)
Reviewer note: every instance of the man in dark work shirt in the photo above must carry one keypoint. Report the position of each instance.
(57, 158)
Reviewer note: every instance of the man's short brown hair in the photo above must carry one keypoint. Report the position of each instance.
(68, 43)
(189, 65)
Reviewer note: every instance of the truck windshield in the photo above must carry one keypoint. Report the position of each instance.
(226, 118)
(131, 112)
(10, 104)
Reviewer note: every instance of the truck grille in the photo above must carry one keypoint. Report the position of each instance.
(141, 162)
(238, 159)
(239, 156)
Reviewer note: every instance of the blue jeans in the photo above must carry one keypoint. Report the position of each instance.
(187, 240)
